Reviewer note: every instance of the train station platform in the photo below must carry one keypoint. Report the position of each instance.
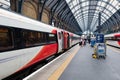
(78, 64)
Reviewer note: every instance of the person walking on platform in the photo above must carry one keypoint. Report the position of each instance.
(89, 40)
(83, 42)
(80, 43)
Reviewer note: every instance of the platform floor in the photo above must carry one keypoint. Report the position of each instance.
(82, 66)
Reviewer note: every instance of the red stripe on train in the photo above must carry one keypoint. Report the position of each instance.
(118, 42)
(117, 35)
(46, 51)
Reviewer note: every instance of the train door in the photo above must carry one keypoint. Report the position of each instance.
(62, 38)
(68, 40)
(65, 40)
(59, 41)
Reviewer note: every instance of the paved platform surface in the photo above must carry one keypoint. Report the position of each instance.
(45, 72)
(81, 66)
(84, 67)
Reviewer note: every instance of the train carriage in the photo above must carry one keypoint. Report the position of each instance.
(113, 39)
(24, 42)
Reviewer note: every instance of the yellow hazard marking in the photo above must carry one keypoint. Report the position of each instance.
(60, 69)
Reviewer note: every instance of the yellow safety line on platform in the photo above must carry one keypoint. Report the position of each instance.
(59, 71)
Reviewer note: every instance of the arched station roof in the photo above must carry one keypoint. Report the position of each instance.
(86, 11)
(61, 9)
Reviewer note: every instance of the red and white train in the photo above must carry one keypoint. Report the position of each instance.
(24, 42)
(113, 39)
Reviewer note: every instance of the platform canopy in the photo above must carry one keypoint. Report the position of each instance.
(86, 11)
(61, 9)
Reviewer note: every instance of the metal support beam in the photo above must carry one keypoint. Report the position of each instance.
(20, 3)
(53, 9)
(99, 22)
(42, 8)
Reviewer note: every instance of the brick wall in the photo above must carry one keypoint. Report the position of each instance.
(29, 9)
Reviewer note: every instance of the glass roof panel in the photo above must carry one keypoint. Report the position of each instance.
(85, 3)
(102, 3)
(105, 0)
(107, 13)
(86, 11)
(115, 2)
(74, 2)
(76, 8)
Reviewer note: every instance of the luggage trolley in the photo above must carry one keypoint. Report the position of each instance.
(100, 47)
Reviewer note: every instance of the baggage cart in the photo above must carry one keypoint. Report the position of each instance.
(101, 50)
(100, 47)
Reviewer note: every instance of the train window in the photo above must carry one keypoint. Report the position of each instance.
(52, 38)
(30, 38)
(118, 38)
(40, 36)
(45, 37)
(113, 38)
(6, 41)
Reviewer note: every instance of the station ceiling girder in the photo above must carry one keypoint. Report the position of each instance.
(85, 11)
